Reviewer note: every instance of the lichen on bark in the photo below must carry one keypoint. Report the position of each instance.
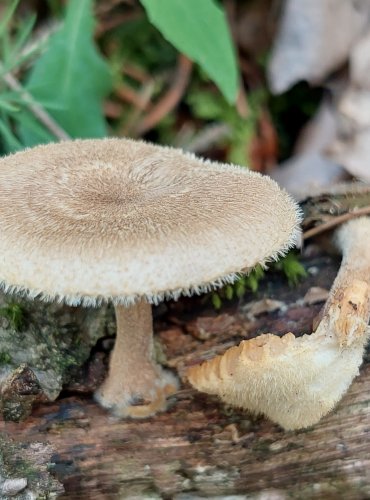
(42, 352)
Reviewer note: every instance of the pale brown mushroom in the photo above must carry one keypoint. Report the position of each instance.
(296, 381)
(89, 221)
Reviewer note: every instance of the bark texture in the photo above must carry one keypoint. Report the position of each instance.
(200, 447)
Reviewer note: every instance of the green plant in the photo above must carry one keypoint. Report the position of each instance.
(14, 313)
(63, 93)
(70, 78)
(212, 107)
(5, 358)
(290, 266)
(13, 54)
(239, 288)
(199, 29)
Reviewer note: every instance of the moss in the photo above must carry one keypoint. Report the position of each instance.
(29, 461)
(290, 266)
(239, 288)
(5, 358)
(12, 462)
(14, 313)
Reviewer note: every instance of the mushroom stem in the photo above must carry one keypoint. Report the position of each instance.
(348, 306)
(134, 336)
(296, 381)
(136, 386)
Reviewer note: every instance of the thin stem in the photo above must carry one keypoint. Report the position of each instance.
(347, 309)
(134, 341)
(335, 221)
(136, 386)
(36, 109)
(170, 100)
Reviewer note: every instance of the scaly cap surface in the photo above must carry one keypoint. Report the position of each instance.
(91, 220)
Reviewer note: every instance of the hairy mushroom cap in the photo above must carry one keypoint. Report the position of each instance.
(91, 220)
(293, 381)
(296, 381)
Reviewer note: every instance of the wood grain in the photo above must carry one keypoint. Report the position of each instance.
(200, 447)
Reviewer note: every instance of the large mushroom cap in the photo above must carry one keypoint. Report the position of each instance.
(118, 219)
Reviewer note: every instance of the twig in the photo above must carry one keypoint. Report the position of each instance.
(136, 72)
(210, 135)
(170, 99)
(129, 95)
(145, 95)
(36, 109)
(242, 102)
(106, 7)
(335, 221)
(116, 21)
(112, 109)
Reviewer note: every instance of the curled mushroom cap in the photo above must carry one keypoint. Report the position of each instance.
(121, 219)
(295, 381)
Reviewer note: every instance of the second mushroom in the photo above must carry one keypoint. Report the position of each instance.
(296, 381)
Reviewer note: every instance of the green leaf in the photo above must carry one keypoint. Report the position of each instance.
(71, 78)
(199, 29)
(9, 140)
(7, 15)
(207, 106)
(27, 121)
(7, 105)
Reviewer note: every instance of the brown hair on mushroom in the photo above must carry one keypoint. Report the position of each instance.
(118, 220)
(295, 381)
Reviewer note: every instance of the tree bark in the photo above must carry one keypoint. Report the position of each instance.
(200, 447)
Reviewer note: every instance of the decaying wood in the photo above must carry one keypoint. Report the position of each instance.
(24, 471)
(335, 206)
(200, 448)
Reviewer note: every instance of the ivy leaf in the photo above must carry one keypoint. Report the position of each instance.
(70, 79)
(199, 29)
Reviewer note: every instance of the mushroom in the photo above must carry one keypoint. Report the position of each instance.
(89, 221)
(296, 381)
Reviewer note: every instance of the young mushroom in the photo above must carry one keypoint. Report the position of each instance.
(90, 221)
(296, 381)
